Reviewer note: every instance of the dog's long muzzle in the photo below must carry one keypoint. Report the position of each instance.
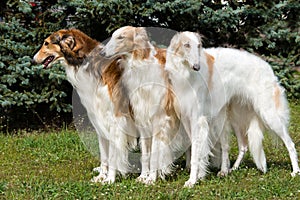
(103, 53)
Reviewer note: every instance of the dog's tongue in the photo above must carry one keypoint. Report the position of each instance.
(47, 61)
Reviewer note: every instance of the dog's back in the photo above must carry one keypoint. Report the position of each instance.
(247, 74)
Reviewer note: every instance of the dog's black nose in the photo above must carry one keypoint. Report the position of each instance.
(33, 62)
(196, 67)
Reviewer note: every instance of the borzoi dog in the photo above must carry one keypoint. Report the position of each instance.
(217, 78)
(257, 102)
(96, 80)
(150, 96)
(182, 64)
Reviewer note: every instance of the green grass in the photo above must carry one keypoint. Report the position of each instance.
(58, 166)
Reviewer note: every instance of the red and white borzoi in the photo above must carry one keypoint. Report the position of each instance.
(218, 78)
(96, 81)
(150, 96)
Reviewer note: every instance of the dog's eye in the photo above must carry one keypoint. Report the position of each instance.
(187, 45)
(46, 43)
(120, 37)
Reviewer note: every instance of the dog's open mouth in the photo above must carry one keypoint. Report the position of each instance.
(47, 61)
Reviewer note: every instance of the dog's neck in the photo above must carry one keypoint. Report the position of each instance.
(175, 63)
(140, 56)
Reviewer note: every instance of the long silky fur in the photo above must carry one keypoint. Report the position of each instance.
(250, 83)
(144, 64)
(92, 74)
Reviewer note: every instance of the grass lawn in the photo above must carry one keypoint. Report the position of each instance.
(58, 166)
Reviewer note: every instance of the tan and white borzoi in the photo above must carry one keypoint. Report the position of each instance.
(150, 96)
(96, 81)
(220, 77)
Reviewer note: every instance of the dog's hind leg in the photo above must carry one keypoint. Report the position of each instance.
(255, 138)
(275, 124)
(224, 138)
(243, 147)
(219, 137)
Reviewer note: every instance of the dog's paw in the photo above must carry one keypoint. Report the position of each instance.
(150, 180)
(97, 179)
(97, 169)
(233, 169)
(102, 170)
(295, 173)
(189, 184)
(109, 180)
(222, 173)
(142, 178)
(102, 175)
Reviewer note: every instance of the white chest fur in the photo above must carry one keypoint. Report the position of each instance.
(93, 96)
(147, 88)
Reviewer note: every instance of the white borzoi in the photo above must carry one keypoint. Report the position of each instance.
(246, 81)
(183, 63)
(257, 102)
(150, 97)
(96, 81)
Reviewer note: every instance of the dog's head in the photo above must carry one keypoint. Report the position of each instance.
(187, 46)
(128, 40)
(69, 46)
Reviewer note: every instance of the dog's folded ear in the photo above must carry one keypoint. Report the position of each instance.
(64, 40)
(175, 44)
(68, 40)
(140, 36)
(141, 43)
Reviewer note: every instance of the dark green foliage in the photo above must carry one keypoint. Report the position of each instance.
(28, 93)
(269, 28)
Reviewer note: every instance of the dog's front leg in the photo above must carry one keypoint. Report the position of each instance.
(145, 143)
(153, 162)
(103, 169)
(195, 141)
(161, 154)
(199, 151)
(112, 163)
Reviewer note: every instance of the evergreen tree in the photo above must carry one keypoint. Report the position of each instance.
(31, 95)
